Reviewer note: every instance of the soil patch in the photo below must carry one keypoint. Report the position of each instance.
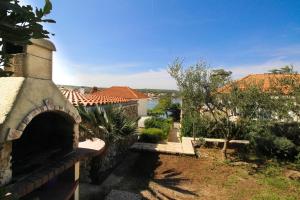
(162, 176)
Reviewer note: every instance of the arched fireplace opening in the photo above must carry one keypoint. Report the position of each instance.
(48, 137)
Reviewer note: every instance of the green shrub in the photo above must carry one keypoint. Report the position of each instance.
(186, 127)
(284, 147)
(159, 123)
(155, 112)
(152, 135)
(262, 142)
(202, 127)
(272, 169)
(289, 130)
(274, 139)
(169, 120)
(297, 161)
(154, 122)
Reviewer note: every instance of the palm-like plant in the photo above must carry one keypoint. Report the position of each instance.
(109, 124)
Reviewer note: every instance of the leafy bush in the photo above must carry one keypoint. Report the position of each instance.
(203, 127)
(152, 135)
(160, 123)
(279, 140)
(275, 139)
(289, 130)
(297, 161)
(155, 112)
(284, 147)
(272, 169)
(154, 122)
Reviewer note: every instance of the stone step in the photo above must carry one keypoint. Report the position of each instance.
(122, 195)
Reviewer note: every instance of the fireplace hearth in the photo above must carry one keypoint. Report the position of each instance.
(48, 137)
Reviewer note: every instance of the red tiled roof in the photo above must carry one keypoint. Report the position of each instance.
(264, 81)
(77, 98)
(123, 92)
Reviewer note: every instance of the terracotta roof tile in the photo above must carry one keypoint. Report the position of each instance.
(77, 98)
(264, 81)
(123, 92)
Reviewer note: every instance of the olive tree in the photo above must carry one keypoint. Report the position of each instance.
(190, 83)
(213, 93)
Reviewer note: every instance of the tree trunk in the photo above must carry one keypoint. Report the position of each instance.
(194, 136)
(224, 150)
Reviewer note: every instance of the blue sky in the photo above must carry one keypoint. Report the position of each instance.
(131, 42)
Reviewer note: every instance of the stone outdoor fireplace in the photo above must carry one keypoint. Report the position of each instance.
(49, 136)
(39, 154)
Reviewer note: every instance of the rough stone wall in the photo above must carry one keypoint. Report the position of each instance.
(131, 110)
(116, 151)
(16, 63)
(97, 167)
(142, 107)
(5, 165)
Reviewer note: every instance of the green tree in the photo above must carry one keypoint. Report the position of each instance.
(286, 89)
(20, 23)
(213, 94)
(164, 104)
(190, 84)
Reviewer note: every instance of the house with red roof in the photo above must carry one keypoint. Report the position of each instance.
(267, 83)
(129, 94)
(77, 98)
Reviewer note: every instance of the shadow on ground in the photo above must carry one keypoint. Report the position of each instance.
(142, 178)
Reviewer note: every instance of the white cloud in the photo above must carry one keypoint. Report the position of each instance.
(159, 79)
(68, 73)
(65, 73)
(243, 70)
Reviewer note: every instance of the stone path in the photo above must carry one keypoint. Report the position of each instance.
(173, 146)
(184, 148)
(174, 135)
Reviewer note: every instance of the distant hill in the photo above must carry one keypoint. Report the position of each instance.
(157, 91)
(154, 91)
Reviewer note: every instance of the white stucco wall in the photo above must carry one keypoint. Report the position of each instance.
(142, 107)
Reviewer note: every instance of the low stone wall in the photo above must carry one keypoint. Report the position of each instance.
(5, 165)
(95, 170)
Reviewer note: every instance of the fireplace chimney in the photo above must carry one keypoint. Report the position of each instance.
(31, 61)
